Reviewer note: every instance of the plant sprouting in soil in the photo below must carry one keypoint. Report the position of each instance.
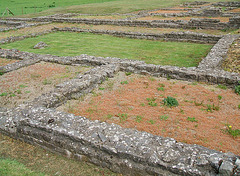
(151, 101)
(128, 73)
(239, 106)
(237, 88)
(124, 82)
(163, 117)
(139, 118)
(152, 121)
(222, 87)
(233, 133)
(192, 119)
(170, 102)
(219, 97)
(122, 117)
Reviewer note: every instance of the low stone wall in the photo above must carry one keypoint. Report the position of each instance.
(192, 24)
(218, 53)
(126, 151)
(18, 25)
(173, 36)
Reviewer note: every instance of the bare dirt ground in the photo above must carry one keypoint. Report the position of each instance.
(232, 62)
(136, 101)
(30, 82)
(4, 61)
(222, 19)
(235, 10)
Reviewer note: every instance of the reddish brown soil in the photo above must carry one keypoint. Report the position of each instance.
(4, 61)
(30, 82)
(235, 10)
(168, 11)
(222, 19)
(131, 99)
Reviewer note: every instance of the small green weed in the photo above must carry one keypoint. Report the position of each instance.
(139, 118)
(194, 83)
(18, 91)
(151, 101)
(181, 111)
(152, 121)
(128, 73)
(27, 91)
(35, 76)
(152, 79)
(22, 86)
(142, 104)
(211, 108)
(239, 106)
(219, 97)
(170, 101)
(160, 89)
(46, 81)
(198, 104)
(161, 85)
(124, 82)
(192, 119)
(109, 116)
(163, 117)
(237, 89)
(222, 87)
(101, 88)
(122, 117)
(12, 95)
(3, 94)
(233, 133)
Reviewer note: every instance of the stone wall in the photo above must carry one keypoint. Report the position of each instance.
(192, 24)
(173, 36)
(126, 151)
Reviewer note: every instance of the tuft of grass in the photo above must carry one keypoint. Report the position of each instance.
(160, 89)
(101, 88)
(12, 167)
(237, 89)
(139, 118)
(219, 97)
(151, 102)
(124, 82)
(128, 73)
(3, 94)
(46, 81)
(151, 121)
(222, 87)
(163, 117)
(192, 119)
(22, 86)
(239, 106)
(122, 117)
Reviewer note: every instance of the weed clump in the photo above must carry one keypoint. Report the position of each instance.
(237, 88)
(170, 101)
(233, 133)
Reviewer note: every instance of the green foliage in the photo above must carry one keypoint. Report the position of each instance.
(46, 81)
(239, 106)
(160, 89)
(237, 89)
(101, 88)
(3, 94)
(233, 133)
(170, 101)
(222, 87)
(72, 44)
(18, 91)
(198, 104)
(128, 73)
(122, 117)
(22, 86)
(139, 118)
(219, 97)
(124, 82)
(14, 168)
(211, 108)
(163, 117)
(192, 119)
(151, 101)
(152, 121)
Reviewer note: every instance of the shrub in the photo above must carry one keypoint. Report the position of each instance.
(170, 101)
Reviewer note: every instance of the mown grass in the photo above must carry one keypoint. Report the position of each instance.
(154, 52)
(86, 6)
(21, 159)
(14, 168)
(20, 7)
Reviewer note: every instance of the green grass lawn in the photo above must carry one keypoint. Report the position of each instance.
(155, 52)
(85, 6)
(13, 168)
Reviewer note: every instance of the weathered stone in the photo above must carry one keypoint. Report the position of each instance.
(40, 45)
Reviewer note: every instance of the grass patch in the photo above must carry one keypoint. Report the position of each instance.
(14, 168)
(152, 52)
